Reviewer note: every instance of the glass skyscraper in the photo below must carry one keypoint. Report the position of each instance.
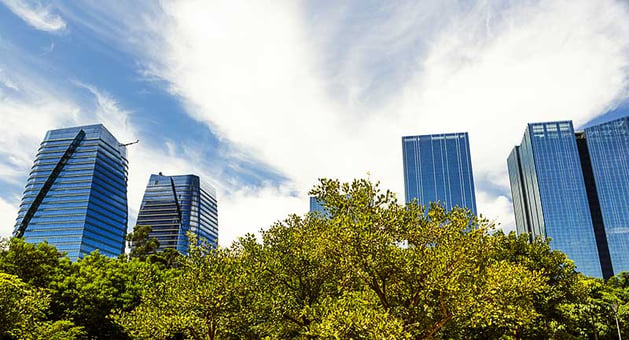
(545, 172)
(76, 194)
(608, 147)
(316, 206)
(174, 205)
(439, 168)
(572, 187)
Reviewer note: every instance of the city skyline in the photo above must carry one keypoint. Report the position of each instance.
(76, 198)
(261, 99)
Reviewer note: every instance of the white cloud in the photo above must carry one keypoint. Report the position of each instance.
(8, 214)
(539, 62)
(500, 208)
(35, 109)
(252, 72)
(271, 81)
(7, 82)
(25, 120)
(248, 210)
(36, 14)
(144, 159)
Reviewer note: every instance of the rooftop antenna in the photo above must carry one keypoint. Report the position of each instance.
(127, 144)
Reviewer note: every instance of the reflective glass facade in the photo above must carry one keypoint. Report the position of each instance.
(174, 205)
(549, 193)
(608, 146)
(316, 206)
(439, 168)
(520, 202)
(76, 194)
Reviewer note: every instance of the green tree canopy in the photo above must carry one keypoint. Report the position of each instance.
(23, 312)
(140, 242)
(368, 267)
(35, 264)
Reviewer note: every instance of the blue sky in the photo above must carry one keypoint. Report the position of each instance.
(261, 98)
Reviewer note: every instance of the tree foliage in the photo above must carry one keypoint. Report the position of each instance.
(35, 264)
(369, 268)
(197, 304)
(74, 298)
(23, 311)
(140, 242)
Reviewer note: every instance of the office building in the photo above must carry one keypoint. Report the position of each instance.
(174, 205)
(608, 150)
(76, 194)
(439, 168)
(316, 206)
(573, 188)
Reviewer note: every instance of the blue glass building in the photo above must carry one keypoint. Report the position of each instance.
(572, 187)
(76, 194)
(174, 205)
(439, 168)
(608, 151)
(316, 206)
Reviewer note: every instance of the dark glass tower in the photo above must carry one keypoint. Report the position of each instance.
(174, 205)
(439, 168)
(572, 187)
(76, 194)
(608, 148)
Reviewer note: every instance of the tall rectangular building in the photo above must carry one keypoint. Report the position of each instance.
(608, 151)
(316, 206)
(549, 194)
(439, 168)
(174, 205)
(76, 194)
(574, 188)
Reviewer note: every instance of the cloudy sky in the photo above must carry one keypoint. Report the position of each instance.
(261, 98)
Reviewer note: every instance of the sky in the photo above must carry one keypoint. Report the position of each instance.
(262, 98)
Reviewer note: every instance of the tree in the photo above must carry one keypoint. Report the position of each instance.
(369, 266)
(198, 304)
(560, 286)
(355, 315)
(35, 264)
(297, 279)
(140, 242)
(23, 311)
(619, 285)
(444, 275)
(20, 306)
(98, 285)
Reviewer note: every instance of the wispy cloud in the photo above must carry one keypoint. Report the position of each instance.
(36, 14)
(48, 49)
(253, 72)
(18, 139)
(316, 91)
(7, 82)
(27, 112)
(143, 159)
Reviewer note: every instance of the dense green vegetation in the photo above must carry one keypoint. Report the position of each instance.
(369, 268)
